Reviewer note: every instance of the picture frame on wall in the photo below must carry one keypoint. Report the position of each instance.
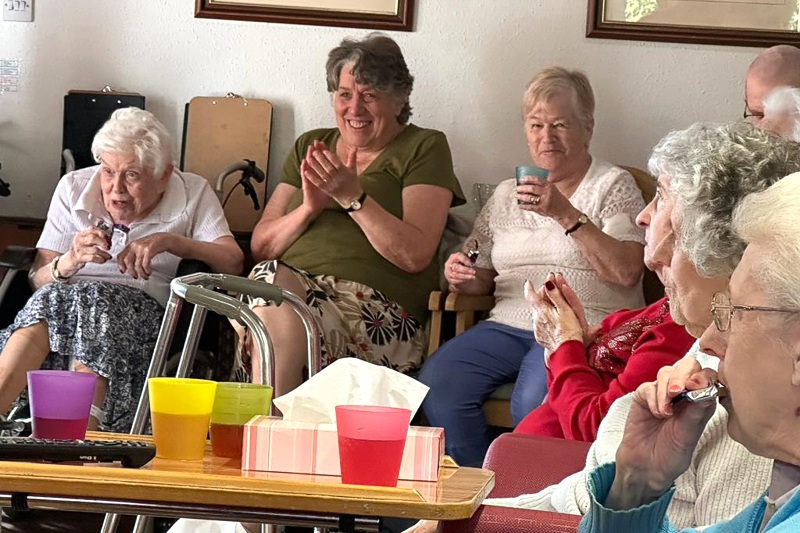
(759, 23)
(393, 15)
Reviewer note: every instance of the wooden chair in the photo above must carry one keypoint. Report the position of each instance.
(452, 314)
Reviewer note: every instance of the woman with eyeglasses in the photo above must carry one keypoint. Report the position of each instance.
(703, 172)
(756, 334)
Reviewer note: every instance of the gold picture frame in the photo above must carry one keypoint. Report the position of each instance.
(759, 23)
(394, 15)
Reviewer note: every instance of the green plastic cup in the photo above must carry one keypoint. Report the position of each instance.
(234, 405)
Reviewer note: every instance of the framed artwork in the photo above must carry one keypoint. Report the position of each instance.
(759, 23)
(395, 15)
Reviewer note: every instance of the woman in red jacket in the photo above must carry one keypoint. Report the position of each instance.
(589, 368)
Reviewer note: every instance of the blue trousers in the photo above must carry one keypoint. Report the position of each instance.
(464, 372)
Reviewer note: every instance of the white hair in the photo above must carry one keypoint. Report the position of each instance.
(769, 219)
(783, 104)
(135, 131)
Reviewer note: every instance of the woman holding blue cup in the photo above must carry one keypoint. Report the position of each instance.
(571, 213)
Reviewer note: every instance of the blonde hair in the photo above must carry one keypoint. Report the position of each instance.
(553, 81)
(769, 219)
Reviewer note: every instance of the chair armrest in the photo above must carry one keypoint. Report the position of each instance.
(466, 302)
(17, 257)
(524, 464)
(436, 301)
(491, 519)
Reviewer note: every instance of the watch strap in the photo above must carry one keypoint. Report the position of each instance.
(357, 204)
(54, 273)
(583, 219)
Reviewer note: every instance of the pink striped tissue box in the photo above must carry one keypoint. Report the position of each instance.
(274, 445)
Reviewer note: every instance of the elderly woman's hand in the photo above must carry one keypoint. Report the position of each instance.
(136, 258)
(458, 270)
(657, 446)
(554, 321)
(544, 198)
(314, 198)
(337, 179)
(589, 332)
(674, 379)
(88, 246)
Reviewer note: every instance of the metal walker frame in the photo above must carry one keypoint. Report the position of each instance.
(200, 289)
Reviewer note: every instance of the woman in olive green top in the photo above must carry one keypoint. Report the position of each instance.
(356, 221)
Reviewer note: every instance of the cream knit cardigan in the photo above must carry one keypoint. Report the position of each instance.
(723, 477)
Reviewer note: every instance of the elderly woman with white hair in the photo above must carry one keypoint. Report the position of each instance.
(756, 334)
(579, 221)
(114, 236)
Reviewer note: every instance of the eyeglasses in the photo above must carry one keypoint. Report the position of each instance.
(747, 113)
(722, 310)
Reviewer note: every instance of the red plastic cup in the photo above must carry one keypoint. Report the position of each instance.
(371, 442)
(60, 403)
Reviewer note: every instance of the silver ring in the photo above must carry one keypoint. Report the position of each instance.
(535, 199)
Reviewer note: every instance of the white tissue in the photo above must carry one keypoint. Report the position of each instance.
(350, 381)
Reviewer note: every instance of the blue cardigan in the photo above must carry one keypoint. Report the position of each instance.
(652, 517)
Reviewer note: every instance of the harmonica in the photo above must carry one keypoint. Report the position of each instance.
(716, 390)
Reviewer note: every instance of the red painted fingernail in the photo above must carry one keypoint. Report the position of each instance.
(550, 285)
(674, 388)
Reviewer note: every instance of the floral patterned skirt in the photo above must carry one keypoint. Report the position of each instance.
(108, 327)
(355, 320)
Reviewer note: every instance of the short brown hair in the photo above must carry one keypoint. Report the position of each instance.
(378, 63)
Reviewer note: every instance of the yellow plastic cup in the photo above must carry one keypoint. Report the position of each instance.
(180, 409)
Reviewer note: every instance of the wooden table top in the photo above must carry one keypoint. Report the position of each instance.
(220, 481)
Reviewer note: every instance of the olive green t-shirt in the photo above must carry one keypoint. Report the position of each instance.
(334, 245)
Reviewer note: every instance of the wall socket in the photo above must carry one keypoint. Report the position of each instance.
(18, 10)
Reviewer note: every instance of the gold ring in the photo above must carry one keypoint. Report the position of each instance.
(535, 199)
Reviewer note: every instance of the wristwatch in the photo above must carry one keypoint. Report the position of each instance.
(357, 204)
(54, 273)
(583, 219)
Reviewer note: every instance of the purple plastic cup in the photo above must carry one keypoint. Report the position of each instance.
(60, 403)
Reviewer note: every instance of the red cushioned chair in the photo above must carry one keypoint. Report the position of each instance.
(525, 464)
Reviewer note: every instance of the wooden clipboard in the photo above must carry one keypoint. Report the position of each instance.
(219, 131)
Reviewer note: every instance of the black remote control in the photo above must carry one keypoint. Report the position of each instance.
(131, 453)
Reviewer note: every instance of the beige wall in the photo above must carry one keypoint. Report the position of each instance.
(471, 58)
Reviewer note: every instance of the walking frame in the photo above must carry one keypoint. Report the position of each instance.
(200, 289)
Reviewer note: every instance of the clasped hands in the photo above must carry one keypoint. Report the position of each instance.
(326, 177)
(558, 315)
(91, 246)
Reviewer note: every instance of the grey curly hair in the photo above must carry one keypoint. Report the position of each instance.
(135, 131)
(378, 63)
(712, 167)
